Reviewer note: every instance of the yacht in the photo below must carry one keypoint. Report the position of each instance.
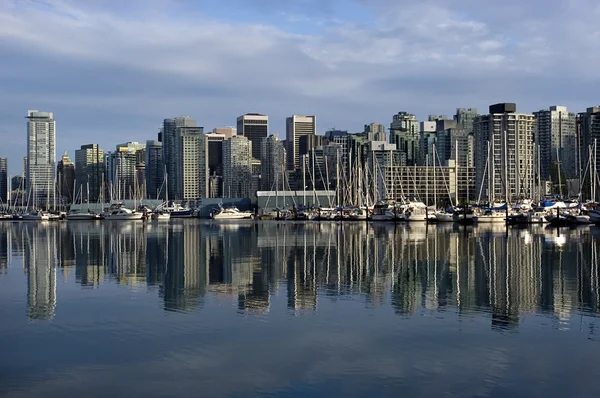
(383, 211)
(160, 216)
(36, 216)
(490, 216)
(82, 215)
(231, 213)
(120, 213)
(414, 211)
(176, 210)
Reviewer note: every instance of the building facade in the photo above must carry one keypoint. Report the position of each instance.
(255, 127)
(41, 156)
(65, 179)
(588, 123)
(227, 131)
(191, 171)
(556, 136)
(3, 182)
(375, 132)
(272, 164)
(171, 156)
(90, 173)
(404, 133)
(237, 167)
(214, 163)
(155, 170)
(505, 155)
(295, 127)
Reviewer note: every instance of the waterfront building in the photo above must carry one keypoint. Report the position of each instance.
(455, 139)
(272, 158)
(237, 167)
(65, 179)
(41, 156)
(3, 182)
(90, 173)
(228, 131)
(428, 138)
(588, 123)
(509, 136)
(171, 155)
(121, 173)
(155, 170)
(214, 163)
(404, 133)
(375, 132)
(255, 127)
(464, 118)
(296, 127)
(191, 170)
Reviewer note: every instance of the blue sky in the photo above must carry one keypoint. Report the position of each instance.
(112, 70)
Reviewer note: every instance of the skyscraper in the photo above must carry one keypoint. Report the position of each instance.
(214, 164)
(506, 137)
(227, 131)
(90, 172)
(428, 138)
(41, 156)
(237, 167)
(155, 170)
(296, 127)
(375, 132)
(65, 179)
(404, 132)
(121, 169)
(556, 135)
(255, 127)
(272, 164)
(191, 170)
(3, 182)
(589, 132)
(464, 118)
(170, 150)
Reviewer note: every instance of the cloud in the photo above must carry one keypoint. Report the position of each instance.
(128, 65)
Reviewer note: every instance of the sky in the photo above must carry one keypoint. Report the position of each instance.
(111, 70)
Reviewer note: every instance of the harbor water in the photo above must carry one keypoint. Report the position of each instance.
(197, 308)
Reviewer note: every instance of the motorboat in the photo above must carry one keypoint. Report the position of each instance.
(82, 215)
(160, 216)
(414, 211)
(121, 213)
(36, 216)
(490, 216)
(383, 211)
(231, 213)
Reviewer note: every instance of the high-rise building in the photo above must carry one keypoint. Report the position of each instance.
(227, 131)
(65, 179)
(214, 163)
(556, 135)
(3, 182)
(171, 147)
(375, 132)
(464, 118)
(237, 167)
(308, 142)
(404, 132)
(191, 171)
(296, 127)
(90, 172)
(428, 138)
(41, 156)
(155, 170)
(272, 164)
(255, 127)
(504, 141)
(121, 170)
(589, 136)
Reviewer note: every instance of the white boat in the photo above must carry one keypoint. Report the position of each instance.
(160, 216)
(121, 213)
(383, 212)
(415, 211)
(231, 213)
(490, 216)
(36, 216)
(78, 215)
(444, 217)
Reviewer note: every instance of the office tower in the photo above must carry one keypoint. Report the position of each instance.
(382, 160)
(556, 135)
(155, 170)
(255, 127)
(228, 131)
(404, 132)
(171, 147)
(589, 135)
(375, 132)
(464, 118)
(237, 167)
(428, 138)
(121, 170)
(296, 127)
(90, 173)
(308, 142)
(3, 182)
(191, 170)
(506, 138)
(214, 163)
(272, 159)
(41, 156)
(65, 179)
(17, 183)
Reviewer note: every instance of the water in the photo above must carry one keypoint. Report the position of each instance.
(194, 308)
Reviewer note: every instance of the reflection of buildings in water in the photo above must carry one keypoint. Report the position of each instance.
(126, 245)
(157, 248)
(185, 277)
(66, 255)
(5, 241)
(89, 248)
(40, 263)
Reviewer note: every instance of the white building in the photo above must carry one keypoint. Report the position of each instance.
(296, 127)
(237, 167)
(506, 138)
(41, 156)
(191, 168)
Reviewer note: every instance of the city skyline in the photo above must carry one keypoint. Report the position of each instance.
(322, 59)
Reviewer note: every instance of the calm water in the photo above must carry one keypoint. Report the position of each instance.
(194, 308)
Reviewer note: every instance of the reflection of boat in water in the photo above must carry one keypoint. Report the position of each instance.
(231, 213)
